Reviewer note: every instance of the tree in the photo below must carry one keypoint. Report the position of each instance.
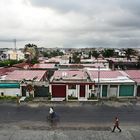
(108, 52)
(76, 57)
(53, 53)
(31, 53)
(95, 54)
(129, 52)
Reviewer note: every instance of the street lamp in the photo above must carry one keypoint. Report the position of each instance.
(98, 94)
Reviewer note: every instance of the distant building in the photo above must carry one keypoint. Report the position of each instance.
(14, 55)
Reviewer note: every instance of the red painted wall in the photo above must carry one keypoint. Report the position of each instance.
(58, 91)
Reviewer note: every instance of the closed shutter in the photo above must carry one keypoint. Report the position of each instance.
(58, 91)
(41, 91)
(126, 90)
(104, 91)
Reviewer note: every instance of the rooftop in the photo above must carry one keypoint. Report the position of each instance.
(134, 74)
(43, 66)
(26, 74)
(69, 75)
(108, 76)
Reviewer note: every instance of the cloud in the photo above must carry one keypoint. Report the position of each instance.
(70, 23)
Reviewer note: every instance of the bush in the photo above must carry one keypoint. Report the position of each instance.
(30, 98)
(8, 98)
(113, 99)
(49, 96)
(92, 97)
(70, 97)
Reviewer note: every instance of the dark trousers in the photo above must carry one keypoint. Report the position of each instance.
(117, 127)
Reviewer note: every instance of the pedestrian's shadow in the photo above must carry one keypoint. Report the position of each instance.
(53, 123)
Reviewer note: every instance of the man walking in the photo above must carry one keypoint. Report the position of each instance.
(116, 125)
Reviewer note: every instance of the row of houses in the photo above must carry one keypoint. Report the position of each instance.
(65, 84)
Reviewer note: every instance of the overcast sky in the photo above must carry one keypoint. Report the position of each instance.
(70, 23)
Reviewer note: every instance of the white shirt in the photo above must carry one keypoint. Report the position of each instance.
(51, 111)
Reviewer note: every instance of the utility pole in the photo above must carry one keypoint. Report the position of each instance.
(98, 95)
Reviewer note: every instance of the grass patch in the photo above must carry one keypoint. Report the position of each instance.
(70, 97)
(92, 97)
(11, 98)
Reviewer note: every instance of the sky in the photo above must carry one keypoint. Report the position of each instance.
(70, 23)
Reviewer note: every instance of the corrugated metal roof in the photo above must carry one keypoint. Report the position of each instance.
(109, 76)
(5, 71)
(44, 66)
(134, 74)
(25, 74)
(70, 75)
(105, 74)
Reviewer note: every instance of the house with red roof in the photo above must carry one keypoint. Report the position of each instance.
(37, 79)
(110, 83)
(67, 84)
(49, 67)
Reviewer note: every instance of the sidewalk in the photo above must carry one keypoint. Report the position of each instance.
(15, 133)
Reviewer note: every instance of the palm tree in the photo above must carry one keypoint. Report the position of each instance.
(31, 52)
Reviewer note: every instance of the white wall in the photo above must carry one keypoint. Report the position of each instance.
(72, 92)
(11, 91)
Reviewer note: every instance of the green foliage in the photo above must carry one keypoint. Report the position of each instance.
(8, 98)
(129, 52)
(70, 97)
(34, 61)
(76, 57)
(49, 96)
(95, 54)
(92, 97)
(9, 62)
(108, 53)
(31, 52)
(52, 54)
(30, 98)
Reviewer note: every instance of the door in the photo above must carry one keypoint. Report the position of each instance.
(104, 91)
(82, 90)
(58, 91)
(23, 91)
(113, 90)
(41, 91)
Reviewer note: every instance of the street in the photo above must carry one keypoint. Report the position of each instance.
(70, 114)
(81, 121)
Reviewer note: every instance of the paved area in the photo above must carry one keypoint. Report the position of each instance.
(78, 122)
(68, 134)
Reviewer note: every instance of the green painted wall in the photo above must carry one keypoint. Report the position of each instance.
(9, 85)
(126, 90)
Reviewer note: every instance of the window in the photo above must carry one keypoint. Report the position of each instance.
(2, 94)
(90, 86)
(72, 86)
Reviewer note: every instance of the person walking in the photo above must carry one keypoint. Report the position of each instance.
(116, 125)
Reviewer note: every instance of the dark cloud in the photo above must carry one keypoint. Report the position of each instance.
(71, 23)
